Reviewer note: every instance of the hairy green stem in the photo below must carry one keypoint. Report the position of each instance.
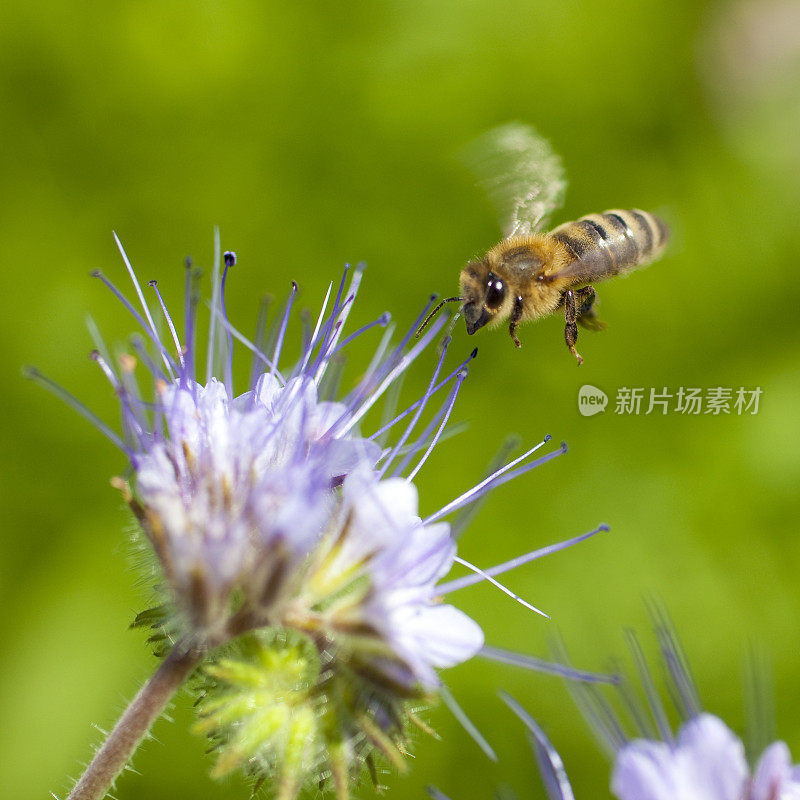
(134, 724)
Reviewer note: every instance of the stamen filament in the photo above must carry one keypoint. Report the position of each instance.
(500, 586)
(170, 325)
(480, 488)
(282, 332)
(466, 723)
(383, 320)
(418, 413)
(214, 306)
(33, 374)
(250, 346)
(534, 664)
(189, 307)
(230, 260)
(374, 396)
(470, 580)
(404, 414)
(136, 286)
(313, 340)
(448, 408)
(168, 363)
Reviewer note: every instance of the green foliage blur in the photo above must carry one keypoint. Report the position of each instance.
(318, 133)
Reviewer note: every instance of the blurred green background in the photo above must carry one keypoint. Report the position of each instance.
(319, 133)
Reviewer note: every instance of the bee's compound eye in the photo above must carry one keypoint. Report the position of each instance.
(495, 292)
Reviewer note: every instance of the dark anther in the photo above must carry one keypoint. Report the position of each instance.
(229, 257)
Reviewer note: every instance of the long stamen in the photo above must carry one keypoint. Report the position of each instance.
(168, 362)
(138, 344)
(383, 320)
(378, 359)
(312, 342)
(282, 332)
(551, 766)
(129, 417)
(251, 346)
(97, 337)
(470, 580)
(374, 396)
(154, 285)
(687, 698)
(466, 723)
(214, 306)
(633, 704)
(259, 338)
(106, 369)
(650, 691)
(500, 586)
(533, 465)
(471, 510)
(352, 291)
(320, 362)
(451, 400)
(379, 367)
(188, 318)
(547, 667)
(595, 709)
(230, 260)
(33, 374)
(480, 488)
(457, 371)
(418, 413)
(136, 285)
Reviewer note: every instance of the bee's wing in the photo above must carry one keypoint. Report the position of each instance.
(522, 175)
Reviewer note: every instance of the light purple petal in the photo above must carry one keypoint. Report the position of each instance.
(706, 763)
(775, 778)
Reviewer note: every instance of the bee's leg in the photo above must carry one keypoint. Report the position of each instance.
(571, 329)
(587, 317)
(516, 316)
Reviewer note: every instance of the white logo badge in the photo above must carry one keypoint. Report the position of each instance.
(591, 400)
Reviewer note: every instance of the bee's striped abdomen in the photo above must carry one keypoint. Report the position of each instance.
(612, 242)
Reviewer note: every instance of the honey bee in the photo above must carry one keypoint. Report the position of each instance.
(529, 274)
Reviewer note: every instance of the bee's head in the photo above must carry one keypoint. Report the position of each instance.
(485, 296)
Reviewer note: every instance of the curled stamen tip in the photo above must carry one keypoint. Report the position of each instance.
(188, 262)
(446, 342)
(295, 287)
(433, 297)
(95, 273)
(474, 353)
(30, 372)
(547, 437)
(94, 355)
(385, 318)
(564, 447)
(229, 257)
(152, 282)
(462, 373)
(603, 527)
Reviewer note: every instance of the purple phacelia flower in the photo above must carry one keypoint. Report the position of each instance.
(292, 559)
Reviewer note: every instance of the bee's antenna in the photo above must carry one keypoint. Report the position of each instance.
(433, 313)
